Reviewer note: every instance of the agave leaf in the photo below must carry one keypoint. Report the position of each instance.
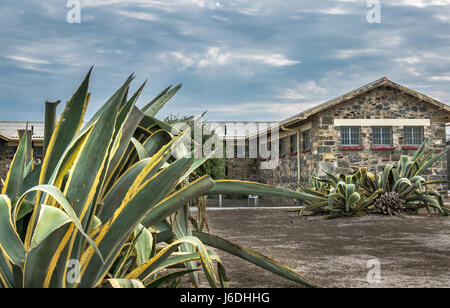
(57, 195)
(143, 170)
(10, 243)
(156, 283)
(158, 262)
(66, 129)
(251, 188)
(122, 284)
(177, 199)
(181, 230)
(143, 245)
(154, 107)
(14, 178)
(48, 241)
(141, 151)
(6, 275)
(253, 257)
(138, 202)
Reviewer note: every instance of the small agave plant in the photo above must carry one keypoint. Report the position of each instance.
(109, 205)
(397, 190)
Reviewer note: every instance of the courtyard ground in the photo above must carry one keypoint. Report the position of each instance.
(413, 251)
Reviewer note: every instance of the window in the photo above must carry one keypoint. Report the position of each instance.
(306, 140)
(293, 143)
(382, 135)
(350, 135)
(284, 146)
(38, 151)
(413, 135)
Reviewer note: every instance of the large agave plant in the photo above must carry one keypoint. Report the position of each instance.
(109, 205)
(396, 190)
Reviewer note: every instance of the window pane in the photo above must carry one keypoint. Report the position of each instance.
(306, 140)
(413, 135)
(294, 143)
(345, 135)
(376, 135)
(355, 136)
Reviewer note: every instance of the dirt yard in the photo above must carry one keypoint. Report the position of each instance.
(413, 251)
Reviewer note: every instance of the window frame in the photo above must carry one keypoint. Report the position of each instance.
(293, 145)
(413, 135)
(306, 140)
(350, 133)
(382, 134)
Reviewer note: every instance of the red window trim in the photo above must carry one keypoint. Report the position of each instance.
(351, 147)
(306, 150)
(383, 147)
(293, 153)
(410, 147)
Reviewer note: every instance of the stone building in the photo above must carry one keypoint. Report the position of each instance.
(369, 127)
(9, 141)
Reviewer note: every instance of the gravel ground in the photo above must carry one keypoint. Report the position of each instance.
(413, 251)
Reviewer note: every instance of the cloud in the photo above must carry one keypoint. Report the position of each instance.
(219, 57)
(27, 59)
(302, 91)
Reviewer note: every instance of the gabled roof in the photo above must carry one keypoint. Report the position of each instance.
(8, 129)
(376, 84)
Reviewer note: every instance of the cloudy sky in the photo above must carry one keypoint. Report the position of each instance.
(238, 59)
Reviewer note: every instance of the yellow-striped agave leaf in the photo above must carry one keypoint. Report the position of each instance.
(122, 284)
(154, 107)
(66, 129)
(14, 178)
(6, 274)
(51, 229)
(251, 188)
(144, 244)
(253, 257)
(178, 199)
(10, 242)
(133, 208)
(161, 260)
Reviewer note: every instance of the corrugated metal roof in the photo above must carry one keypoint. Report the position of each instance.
(9, 128)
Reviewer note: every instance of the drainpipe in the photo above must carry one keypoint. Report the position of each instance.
(50, 122)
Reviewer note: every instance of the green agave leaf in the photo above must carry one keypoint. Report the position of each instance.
(156, 283)
(14, 178)
(253, 257)
(141, 151)
(10, 243)
(251, 188)
(136, 205)
(161, 261)
(57, 195)
(66, 129)
(154, 107)
(6, 275)
(53, 224)
(181, 230)
(178, 199)
(122, 283)
(143, 245)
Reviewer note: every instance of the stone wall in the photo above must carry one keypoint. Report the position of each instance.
(6, 157)
(381, 103)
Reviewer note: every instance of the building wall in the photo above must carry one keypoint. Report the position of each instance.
(6, 156)
(380, 103)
